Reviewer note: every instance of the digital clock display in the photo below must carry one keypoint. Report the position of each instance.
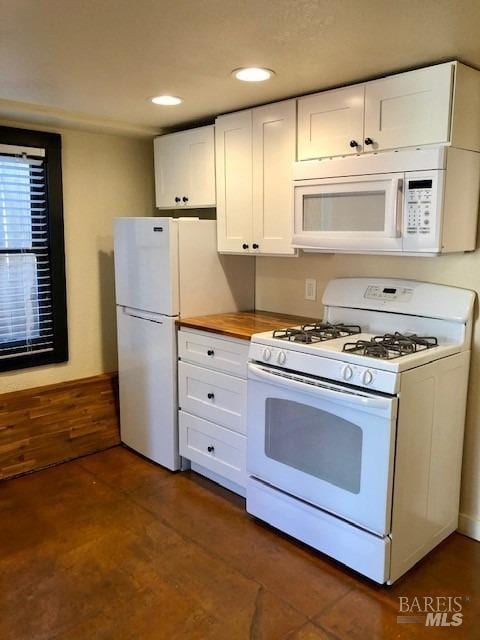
(420, 184)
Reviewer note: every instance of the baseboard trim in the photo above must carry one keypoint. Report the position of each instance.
(48, 425)
(469, 526)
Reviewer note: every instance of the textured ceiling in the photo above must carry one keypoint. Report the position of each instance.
(99, 61)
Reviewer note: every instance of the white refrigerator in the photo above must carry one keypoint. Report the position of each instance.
(165, 268)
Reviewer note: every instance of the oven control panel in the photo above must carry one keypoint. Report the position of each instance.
(331, 369)
(399, 294)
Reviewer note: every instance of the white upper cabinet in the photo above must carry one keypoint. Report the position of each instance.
(185, 169)
(331, 123)
(409, 109)
(274, 142)
(233, 147)
(255, 151)
(169, 176)
(435, 105)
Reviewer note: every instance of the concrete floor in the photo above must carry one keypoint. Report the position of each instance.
(113, 547)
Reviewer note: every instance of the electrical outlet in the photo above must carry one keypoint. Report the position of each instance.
(310, 289)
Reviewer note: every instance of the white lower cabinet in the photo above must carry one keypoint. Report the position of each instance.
(213, 403)
(220, 354)
(221, 450)
(213, 395)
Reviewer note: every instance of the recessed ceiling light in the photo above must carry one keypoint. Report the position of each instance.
(253, 74)
(167, 101)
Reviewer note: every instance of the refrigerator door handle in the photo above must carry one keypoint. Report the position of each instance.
(135, 313)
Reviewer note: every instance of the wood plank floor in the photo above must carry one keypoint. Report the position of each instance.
(113, 547)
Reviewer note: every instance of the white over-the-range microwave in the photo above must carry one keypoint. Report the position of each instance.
(410, 202)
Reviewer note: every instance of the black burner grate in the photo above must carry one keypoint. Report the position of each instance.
(390, 345)
(316, 332)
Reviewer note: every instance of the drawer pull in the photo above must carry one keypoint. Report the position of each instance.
(210, 395)
(210, 448)
(210, 352)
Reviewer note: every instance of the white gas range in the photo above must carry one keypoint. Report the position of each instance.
(355, 423)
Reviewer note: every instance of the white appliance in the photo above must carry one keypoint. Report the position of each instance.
(355, 424)
(165, 268)
(411, 202)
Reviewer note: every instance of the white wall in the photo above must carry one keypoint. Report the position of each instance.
(103, 176)
(280, 285)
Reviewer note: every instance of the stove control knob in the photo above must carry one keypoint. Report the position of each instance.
(267, 354)
(367, 377)
(347, 372)
(282, 356)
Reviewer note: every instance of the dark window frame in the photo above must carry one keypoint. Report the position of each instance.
(52, 143)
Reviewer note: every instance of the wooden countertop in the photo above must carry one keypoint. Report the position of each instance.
(242, 324)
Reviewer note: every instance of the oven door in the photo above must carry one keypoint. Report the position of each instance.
(360, 213)
(329, 445)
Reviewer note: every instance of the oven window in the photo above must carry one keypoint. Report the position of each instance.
(344, 212)
(314, 441)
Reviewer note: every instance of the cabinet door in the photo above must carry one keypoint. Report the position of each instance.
(169, 170)
(274, 137)
(199, 170)
(233, 151)
(329, 123)
(409, 109)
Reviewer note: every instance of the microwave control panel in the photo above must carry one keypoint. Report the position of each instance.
(419, 201)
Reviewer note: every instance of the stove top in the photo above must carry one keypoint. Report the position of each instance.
(390, 345)
(373, 331)
(393, 351)
(316, 332)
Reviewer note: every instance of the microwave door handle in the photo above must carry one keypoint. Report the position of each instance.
(396, 223)
(341, 397)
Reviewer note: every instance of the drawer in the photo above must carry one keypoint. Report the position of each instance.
(212, 395)
(209, 351)
(214, 447)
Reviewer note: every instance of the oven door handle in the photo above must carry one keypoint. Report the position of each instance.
(322, 390)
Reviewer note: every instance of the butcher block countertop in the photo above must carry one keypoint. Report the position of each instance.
(242, 324)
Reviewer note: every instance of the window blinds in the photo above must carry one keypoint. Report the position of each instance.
(26, 319)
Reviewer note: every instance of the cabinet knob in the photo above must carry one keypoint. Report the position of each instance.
(255, 245)
(244, 246)
(368, 141)
(210, 395)
(210, 352)
(353, 144)
(177, 199)
(185, 199)
(210, 448)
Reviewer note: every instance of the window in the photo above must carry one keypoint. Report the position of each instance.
(33, 319)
